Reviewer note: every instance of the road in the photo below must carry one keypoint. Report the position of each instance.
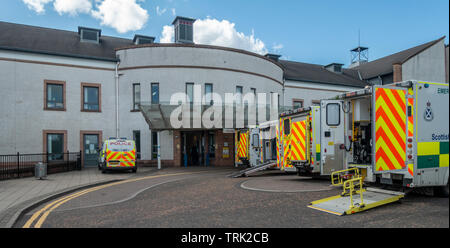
(204, 198)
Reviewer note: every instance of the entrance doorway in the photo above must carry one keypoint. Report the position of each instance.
(193, 148)
(91, 145)
(90, 142)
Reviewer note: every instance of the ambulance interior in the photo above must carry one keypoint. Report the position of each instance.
(269, 141)
(359, 131)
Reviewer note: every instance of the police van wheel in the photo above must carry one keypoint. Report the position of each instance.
(103, 168)
(134, 170)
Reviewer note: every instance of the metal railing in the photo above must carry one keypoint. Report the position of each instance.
(351, 180)
(22, 165)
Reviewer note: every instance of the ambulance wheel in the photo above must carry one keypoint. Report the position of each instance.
(134, 170)
(442, 191)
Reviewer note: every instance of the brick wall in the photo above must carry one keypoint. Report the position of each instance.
(397, 72)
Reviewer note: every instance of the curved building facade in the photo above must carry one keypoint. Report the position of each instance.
(161, 70)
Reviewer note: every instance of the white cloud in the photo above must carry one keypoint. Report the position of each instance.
(167, 35)
(37, 5)
(174, 12)
(122, 15)
(160, 11)
(277, 47)
(219, 33)
(72, 7)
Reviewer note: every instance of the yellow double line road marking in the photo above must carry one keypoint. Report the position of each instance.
(43, 213)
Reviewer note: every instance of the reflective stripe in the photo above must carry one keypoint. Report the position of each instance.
(432, 154)
(390, 129)
(428, 148)
(298, 143)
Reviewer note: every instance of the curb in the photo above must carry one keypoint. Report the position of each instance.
(33, 203)
(51, 197)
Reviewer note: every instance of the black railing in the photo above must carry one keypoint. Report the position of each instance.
(22, 165)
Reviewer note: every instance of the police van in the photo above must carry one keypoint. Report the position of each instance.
(118, 154)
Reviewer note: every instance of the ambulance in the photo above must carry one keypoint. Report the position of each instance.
(396, 136)
(255, 148)
(248, 147)
(299, 142)
(118, 154)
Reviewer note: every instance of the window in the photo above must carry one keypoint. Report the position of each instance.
(91, 97)
(287, 127)
(137, 140)
(297, 103)
(190, 92)
(54, 95)
(55, 146)
(136, 96)
(154, 145)
(155, 93)
(255, 140)
(185, 32)
(278, 100)
(90, 35)
(239, 91)
(333, 114)
(212, 145)
(208, 94)
(253, 90)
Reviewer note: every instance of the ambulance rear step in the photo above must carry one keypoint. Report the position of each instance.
(246, 172)
(342, 205)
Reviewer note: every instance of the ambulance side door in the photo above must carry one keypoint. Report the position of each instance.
(331, 136)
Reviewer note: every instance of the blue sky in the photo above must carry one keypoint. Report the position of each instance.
(317, 32)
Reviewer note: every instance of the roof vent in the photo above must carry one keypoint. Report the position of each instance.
(184, 30)
(89, 34)
(271, 56)
(141, 39)
(334, 67)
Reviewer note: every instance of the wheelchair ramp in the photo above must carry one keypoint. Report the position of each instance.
(246, 172)
(341, 205)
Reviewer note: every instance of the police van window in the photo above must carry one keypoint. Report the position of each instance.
(333, 115)
(287, 127)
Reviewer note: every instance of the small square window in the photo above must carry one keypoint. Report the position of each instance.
(298, 104)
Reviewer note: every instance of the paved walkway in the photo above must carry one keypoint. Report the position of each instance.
(16, 195)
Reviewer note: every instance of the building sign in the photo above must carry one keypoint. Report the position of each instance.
(226, 152)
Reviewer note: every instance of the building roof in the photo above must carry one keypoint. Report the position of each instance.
(19, 37)
(383, 65)
(298, 71)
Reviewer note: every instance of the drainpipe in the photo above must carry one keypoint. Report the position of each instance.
(117, 98)
(284, 91)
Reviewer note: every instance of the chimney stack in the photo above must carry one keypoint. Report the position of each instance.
(184, 30)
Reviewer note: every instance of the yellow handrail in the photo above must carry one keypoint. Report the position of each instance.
(339, 176)
(350, 186)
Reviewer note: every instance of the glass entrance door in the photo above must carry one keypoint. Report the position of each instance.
(90, 149)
